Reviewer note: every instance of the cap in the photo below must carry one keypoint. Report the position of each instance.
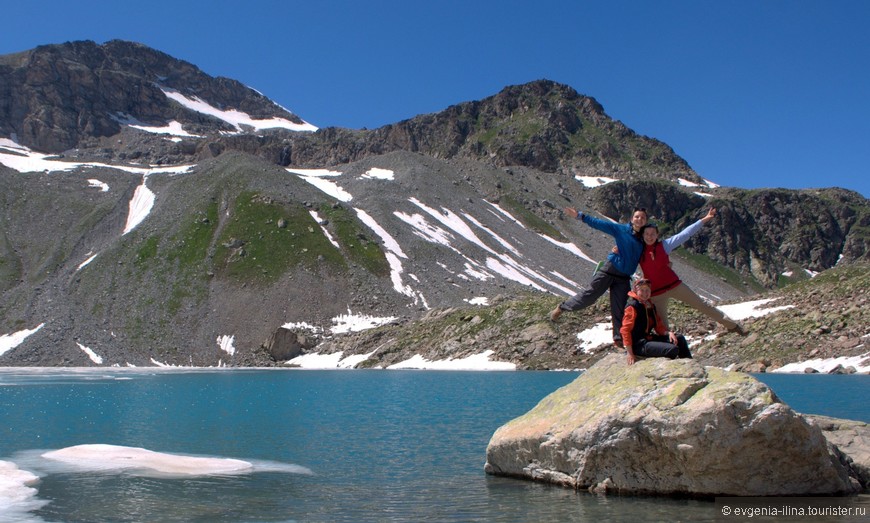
(641, 281)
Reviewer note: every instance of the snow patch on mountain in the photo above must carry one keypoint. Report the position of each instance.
(94, 357)
(140, 206)
(317, 179)
(324, 229)
(236, 118)
(591, 182)
(173, 128)
(25, 160)
(103, 187)
(376, 173)
(226, 344)
(394, 254)
(10, 341)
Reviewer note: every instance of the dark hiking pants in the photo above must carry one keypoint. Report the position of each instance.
(661, 347)
(606, 278)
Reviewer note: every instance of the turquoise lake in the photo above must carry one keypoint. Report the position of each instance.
(324, 445)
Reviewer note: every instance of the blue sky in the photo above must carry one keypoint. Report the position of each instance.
(752, 93)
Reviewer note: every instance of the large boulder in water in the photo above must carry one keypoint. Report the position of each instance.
(669, 427)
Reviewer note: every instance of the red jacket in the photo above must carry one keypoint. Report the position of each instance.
(640, 321)
(656, 266)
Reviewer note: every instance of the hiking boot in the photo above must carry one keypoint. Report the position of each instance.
(618, 344)
(555, 313)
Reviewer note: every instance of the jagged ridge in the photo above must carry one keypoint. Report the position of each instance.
(206, 264)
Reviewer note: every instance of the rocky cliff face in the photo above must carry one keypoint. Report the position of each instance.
(760, 233)
(541, 125)
(59, 97)
(766, 232)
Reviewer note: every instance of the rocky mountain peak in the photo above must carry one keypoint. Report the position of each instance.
(57, 97)
(542, 125)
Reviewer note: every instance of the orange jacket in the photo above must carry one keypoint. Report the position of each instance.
(640, 321)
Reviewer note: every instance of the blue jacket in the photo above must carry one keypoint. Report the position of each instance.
(630, 247)
(681, 237)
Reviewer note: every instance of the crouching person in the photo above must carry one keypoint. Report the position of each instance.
(643, 332)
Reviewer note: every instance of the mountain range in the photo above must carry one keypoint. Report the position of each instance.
(154, 215)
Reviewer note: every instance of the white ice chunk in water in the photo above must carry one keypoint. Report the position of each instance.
(102, 457)
(17, 492)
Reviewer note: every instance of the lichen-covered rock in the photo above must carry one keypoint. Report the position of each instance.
(669, 427)
(852, 438)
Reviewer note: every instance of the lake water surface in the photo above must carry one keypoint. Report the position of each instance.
(324, 445)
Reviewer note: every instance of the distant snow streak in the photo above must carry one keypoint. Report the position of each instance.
(234, 117)
(751, 309)
(328, 361)
(423, 229)
(504, 243)
(344, 323)
(594, 337)
(10, 341)
(379, 174)
(505, 213)
(594, 181)
(393, 255)
(861, 363)
(512, 273)
(351, 322)
(568, 246)
(25, 160)
(84, 263)
(140, 206)
(173, 128)
(323, 228)
(91, 354)
(501, 263)
(103, 187)
(474, 362)
(453, 222)
(314, 173)
(226, 344)
(329, 187)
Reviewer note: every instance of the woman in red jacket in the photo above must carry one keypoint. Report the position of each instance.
(656, 265)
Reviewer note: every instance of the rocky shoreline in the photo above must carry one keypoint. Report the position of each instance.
(810, 337)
